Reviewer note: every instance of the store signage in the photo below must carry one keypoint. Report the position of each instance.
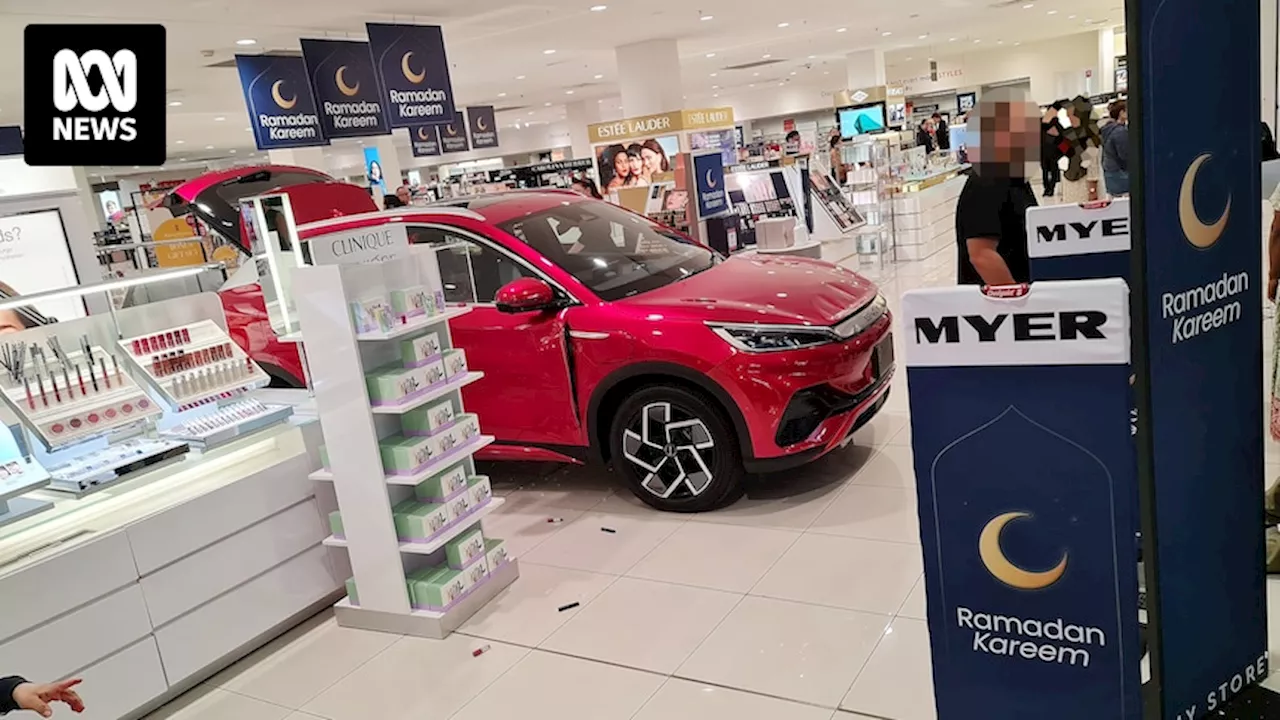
(750, 167)
(453, 135)
(356, 247)
(1198, 287)
(649, 125)
(34, 258)
(414, 71)
(483, 126)
(561, 165)
(1026, 511)
(425, 140)
(282, 111)
(1079, 241)
(713, 196)
(346, 88)
(94, 94)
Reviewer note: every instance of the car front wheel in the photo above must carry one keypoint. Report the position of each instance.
(676, 450)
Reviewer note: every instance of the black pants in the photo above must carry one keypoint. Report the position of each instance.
(1051, 174)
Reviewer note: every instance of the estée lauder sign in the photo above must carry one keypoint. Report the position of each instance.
(664, 123)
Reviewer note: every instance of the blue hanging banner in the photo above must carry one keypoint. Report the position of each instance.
(345, 86)
(483, 126)
(708, 170)
(1079, 241)
(414, 71)
(1197, 280)
(425, 140)
(453, 135)
(1026, 491)
(282, 111)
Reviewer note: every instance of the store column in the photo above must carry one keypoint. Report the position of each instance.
(579, 115)
(390, 159)
(649, 76)
(865, 69)
(307, 157)
(1105, 82)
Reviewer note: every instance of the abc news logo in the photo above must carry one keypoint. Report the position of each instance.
(94, 94)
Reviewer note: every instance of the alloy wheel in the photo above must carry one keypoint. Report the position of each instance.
(672, 449)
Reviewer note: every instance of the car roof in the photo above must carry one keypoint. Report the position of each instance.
(501, 207)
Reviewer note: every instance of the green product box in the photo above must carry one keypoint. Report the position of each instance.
(495, 553)
(412, 302)
(455, 363)
(335, 524)
(465, 428)
(429, 419)
(406, 455)
(441, 590)
(442, 486)
(480, 489)
(419, 522)
(477, 572)
(465, 549)
(351, 591)
(460, 506)
(417, 576)
(417, 350)
(392, 384)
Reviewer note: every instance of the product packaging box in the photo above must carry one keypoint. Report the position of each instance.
(371, 314)
(335, 524)
(420, 522)
(495, 553)
(412, 302)
(477, 572)
(392, 384)
(465, 428)
(455, 363)
(480, 490)
(439, 488)
(351, 591)
(460, 506)
(407, 455)
(440, 590)
(428, 420)
(420, 350)
(465, 549)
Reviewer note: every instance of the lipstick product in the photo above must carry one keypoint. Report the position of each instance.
(31, 401)
(105, 378)
(57, 396)
(115, 364)
(44, 399)
(186, 335)
(80, 377)
(66, 380)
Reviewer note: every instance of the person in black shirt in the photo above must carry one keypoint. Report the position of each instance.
(991, 232)
(941, 132)
(1050, 148)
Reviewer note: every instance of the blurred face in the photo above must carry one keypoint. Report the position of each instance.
(636, 164)
(402, 192)
(621, 165)
(1009, 136)
(652, 161)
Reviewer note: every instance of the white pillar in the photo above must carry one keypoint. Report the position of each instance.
(1106, 80)
(390, 159)
(649, 76)
(307, 157)
(579, 115)
(865, 69)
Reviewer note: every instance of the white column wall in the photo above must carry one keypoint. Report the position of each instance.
(308, 157)
(865, 68)
(649, 77)
(1105, 81)
(579, 115)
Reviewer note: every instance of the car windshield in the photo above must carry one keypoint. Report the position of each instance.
(613, 252)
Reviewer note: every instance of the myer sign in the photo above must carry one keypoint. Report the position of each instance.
(1059, 230)
(378, 243)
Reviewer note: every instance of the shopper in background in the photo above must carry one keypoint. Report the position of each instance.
(585, 186)
(1050, 149)
(18, 694)
(404, 195)
(1083, 143)
(1115, 150)
(837, 160)
(391, 202)
(924, 135)
(940, 132)
(991, 231)
(615, 158)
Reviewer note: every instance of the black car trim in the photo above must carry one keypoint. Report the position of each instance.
(788, 462)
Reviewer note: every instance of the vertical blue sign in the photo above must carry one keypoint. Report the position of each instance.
(1025, 484)
(373, 172)
(453, 135)
(483, 126)
(346, 88)
(425, 140)
(282, 111)
(414, 70)
(1198, 348)
(708, 170)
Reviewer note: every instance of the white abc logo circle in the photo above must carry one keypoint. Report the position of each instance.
(71, 80)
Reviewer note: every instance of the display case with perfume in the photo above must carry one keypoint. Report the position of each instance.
(192, 365)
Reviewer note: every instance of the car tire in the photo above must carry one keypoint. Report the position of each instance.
(676, 450)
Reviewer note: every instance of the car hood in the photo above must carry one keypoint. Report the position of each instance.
(758, 288)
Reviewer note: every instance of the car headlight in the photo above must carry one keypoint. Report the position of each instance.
(772, 338)
(863, 318)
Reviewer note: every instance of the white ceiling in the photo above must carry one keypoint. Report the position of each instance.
(498, 48)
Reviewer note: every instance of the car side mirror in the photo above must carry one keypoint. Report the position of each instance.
(525, 295)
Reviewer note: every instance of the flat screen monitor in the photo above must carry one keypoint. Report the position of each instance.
(861, 119)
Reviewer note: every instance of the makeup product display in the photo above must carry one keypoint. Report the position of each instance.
(231, 420)
(412, 303)
(455, 364)
(373, 314)
(443, 486)
(194, 365)
(465, 549)
(114, 463)
(394, 385)
(18, 475)
(495, 552)
(68, 397)
(420, 350)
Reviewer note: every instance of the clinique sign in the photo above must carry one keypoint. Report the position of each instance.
(366, 245)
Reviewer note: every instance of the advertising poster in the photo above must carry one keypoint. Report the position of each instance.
(112, 210)
(34, 258)
(453, 135)
(722, 140)
(1025, 485)
(282, 111)
(425, 140)
(483, 126)
(414, 73)
(713, 198)
(373, 172)
(177, 254)
(346, 88)
(634, 162)
(966, 101)
(1198, 286)
(1079, 241)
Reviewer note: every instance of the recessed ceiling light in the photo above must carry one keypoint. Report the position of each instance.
(135, 167)
(519, 77)
(566, 92)
(715, 87)
(175, 103)
(502, 94)
(1053, 12)
(598, 76)
(751, 85)
(246, 41)
(842, 29)
(233, 152)
(208, 147)
(599, 8)
(826, 72)
(711, 55)
(784, 24)
(910, 59)
(546, 104)
(755, 74)
(793, 72)
(951, 39)
(704, 18)
(219, 119)
(977, 41)
(812, 57)
(765, 56)
(999, 42)
(714, 74)
(179, 142)
(1017, 44)
(886, 33)
(1028, 6)
(248, 129)
(548, 52)
(1071, 17)
(715, 95)
(530, 112)
(922, 37)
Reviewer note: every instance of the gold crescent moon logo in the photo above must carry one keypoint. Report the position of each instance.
(1006, 572)
(343, 87)
(1198, 234)
(422, 133)
(480, 124)
(279, 97)
(451, 130)
(710, 182)
(409, 74)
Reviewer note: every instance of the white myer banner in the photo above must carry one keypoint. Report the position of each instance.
(1077, 322)
(1078, 229)
(376, 243)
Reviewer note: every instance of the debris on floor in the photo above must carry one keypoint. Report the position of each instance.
(608, 530)
(480, 651)
(570, 606)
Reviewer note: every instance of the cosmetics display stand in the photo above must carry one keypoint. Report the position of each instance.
(19, 475)
(193, 365)
(388, 390)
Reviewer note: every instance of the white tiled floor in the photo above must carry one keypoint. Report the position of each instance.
(803, 601)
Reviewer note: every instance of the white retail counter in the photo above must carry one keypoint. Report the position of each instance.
(924, 222)
(152, 585)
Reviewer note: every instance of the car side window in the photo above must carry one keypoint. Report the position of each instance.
(470, 271)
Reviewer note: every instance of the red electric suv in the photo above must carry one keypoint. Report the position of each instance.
(605, 335)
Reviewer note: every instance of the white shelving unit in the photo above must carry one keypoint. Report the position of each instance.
(352, 428)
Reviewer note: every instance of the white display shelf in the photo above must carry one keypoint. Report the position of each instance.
(429, 548)
(417, 324)
(434, 394)
(429, 623)
(458, 455)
